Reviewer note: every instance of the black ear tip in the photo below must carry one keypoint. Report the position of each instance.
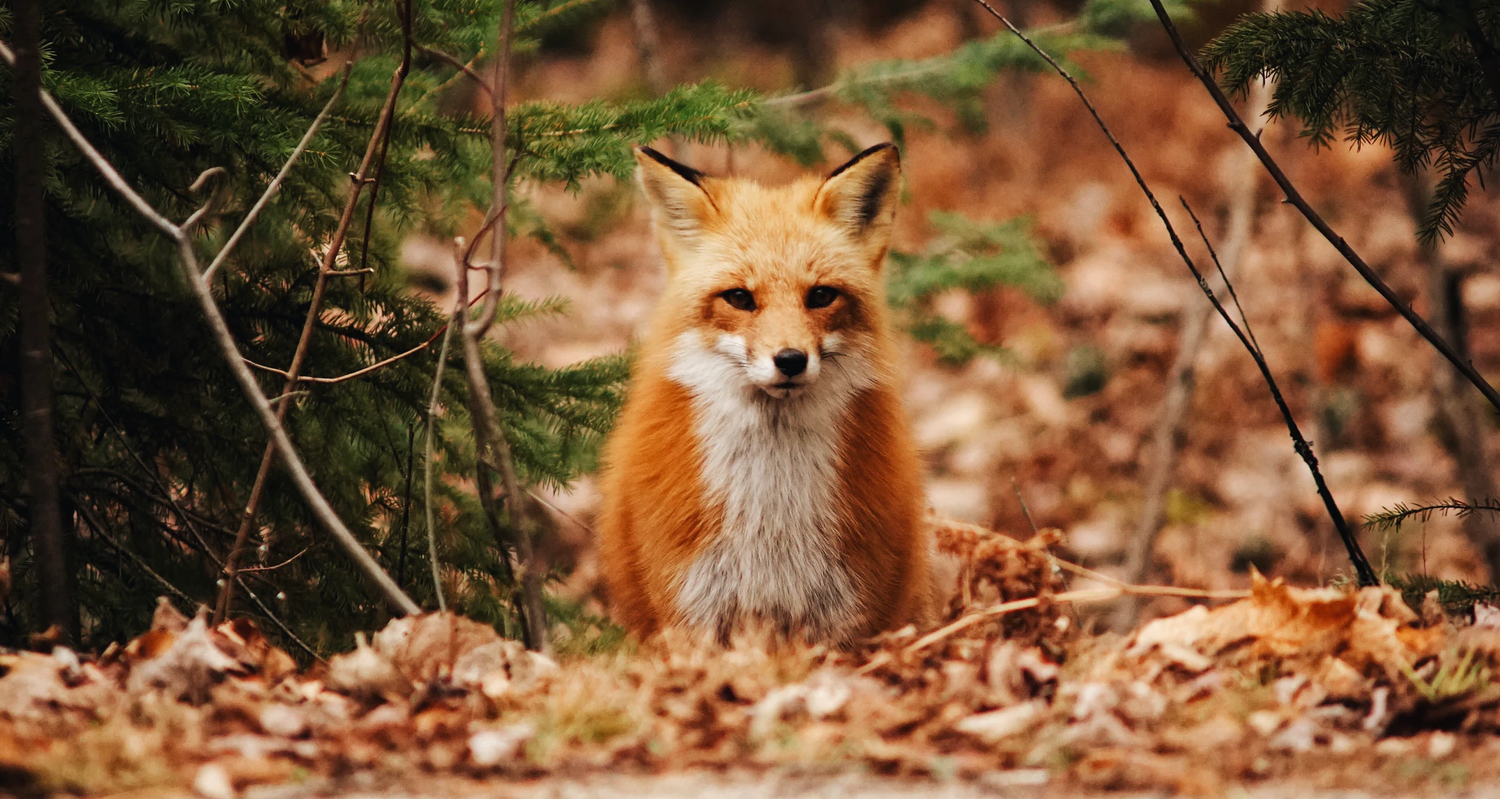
(683, 170)
(866, 153)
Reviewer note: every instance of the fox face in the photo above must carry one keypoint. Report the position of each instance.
(771, 290)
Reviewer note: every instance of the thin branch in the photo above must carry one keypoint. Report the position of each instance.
(287, 562)
(465, 70)
(1025, 511)
(489, 439)
(358, 181)
(385, 141)
(1464, 366)
(98, 528)
(456, 321)
(106, 169)
(265, 197)
(411, 441)
(361, 372)
(1180, 382)
(559, 511)
(1362, 567)
(328, 381)
(225, 341)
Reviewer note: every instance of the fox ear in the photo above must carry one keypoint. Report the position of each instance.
(861, 195)
(679, 199)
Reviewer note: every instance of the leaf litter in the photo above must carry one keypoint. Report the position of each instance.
(1188, 703)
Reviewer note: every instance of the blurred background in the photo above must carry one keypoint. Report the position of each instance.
(1063, 369)
(1056, 389)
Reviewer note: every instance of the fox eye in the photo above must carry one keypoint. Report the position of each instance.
(821, 296)
(739, 298)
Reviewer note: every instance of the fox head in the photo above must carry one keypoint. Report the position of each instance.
(770, 290)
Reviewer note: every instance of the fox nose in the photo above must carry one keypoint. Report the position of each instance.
(790, 362)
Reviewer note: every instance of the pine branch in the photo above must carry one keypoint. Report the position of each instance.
(225, 341)
(1387, 519)
(265, 197)
(380, 139)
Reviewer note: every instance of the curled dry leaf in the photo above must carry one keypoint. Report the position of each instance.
(997, 725)
(1281, 624)
(500, 668)
(423, 647)
(366, 674)
(188, 669)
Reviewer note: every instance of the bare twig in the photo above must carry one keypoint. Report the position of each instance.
(995, 611)
(1362, 568)
(225, 341)
(1025, 511)
(465, 70)
(489, 439)
(459, 306)
(411, 442)
(287, 562)
(314, 311)
(1180, 381)
(1464, 366)
(275, 186)
(361, 372)
(389, 122)
(98, 528)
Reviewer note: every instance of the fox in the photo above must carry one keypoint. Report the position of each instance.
(762, 469)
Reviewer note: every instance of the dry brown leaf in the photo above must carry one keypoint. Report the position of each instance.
(53, 694)
(366, 674)
(422, 647)
(188, 669)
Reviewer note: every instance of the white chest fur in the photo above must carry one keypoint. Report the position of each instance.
(772, 465)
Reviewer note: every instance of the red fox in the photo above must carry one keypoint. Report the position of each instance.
(763, 468)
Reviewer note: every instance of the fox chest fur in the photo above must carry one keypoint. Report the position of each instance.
(762, 469)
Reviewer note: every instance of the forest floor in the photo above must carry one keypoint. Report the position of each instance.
(1287, 685)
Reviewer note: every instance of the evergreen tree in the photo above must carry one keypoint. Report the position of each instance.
(1420, 76)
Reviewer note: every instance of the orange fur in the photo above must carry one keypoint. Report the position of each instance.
(662, 512)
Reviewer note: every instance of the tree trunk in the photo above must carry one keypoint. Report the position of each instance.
(36, 350)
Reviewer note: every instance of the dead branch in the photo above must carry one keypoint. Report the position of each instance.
(456, 320)
(489, 439)
(275, 186)
(389, 121)
(359, 179)
(1175, 404)
(464, 70)
(324, 512)
(1236, 124)
(1362, 568)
